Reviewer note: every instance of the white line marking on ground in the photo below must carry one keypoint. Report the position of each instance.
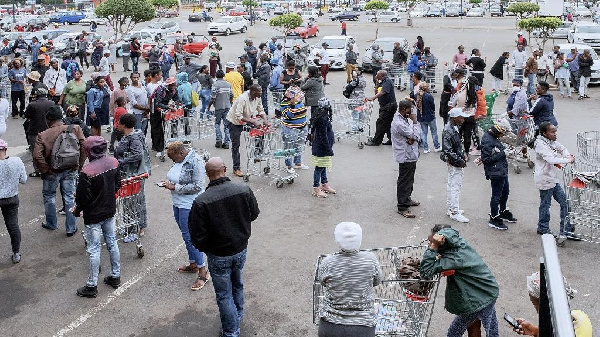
(115, 294)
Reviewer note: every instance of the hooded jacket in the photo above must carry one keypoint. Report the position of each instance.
(453, 151)
(498, 68)
(184, 89)
(548, 154)
(472, 287)
(493, 157)
(542, 110)
(414, 64)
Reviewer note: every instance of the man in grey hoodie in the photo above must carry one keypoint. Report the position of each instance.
(221, 97)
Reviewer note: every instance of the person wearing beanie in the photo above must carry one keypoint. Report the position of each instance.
(99, 181)
(36, 115)
(65, 178)
(348, 278)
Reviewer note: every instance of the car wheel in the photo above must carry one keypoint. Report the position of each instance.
(210, 33)
(316, 33)
(394, 20)
(243, 30)
(228, 32)
(332, 19)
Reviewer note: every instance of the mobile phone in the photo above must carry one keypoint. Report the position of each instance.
(160, 184)
(513, 322)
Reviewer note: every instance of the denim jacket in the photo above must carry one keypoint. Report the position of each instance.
(191, 178)
(94, 98)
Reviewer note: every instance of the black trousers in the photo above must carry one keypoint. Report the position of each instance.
(83, 58)
(10, 212)
(404, 186)
(157, 132)
(235, 132)
(17, 96)
(444, 108)
(384, 122)
(468, 131)
(479, 78)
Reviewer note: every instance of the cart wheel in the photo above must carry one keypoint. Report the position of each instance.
(370, 139)
(140, 252)
(517, 169)
(246, 178)
(361, 145)
(290, 181)
(338, 139)
(266, 170)
(279, 184)
(530, 164)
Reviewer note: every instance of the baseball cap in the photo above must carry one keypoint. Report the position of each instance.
(3, 145)
(230, 65)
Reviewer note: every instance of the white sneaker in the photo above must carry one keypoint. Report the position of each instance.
(290, 170)
(158, 154)
(459, 218)
(301, 167)
(438, 149)
(426, 151)
(460, 211)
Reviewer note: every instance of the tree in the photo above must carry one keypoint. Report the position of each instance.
(165, 3)
(410, 4)
(286, 23)
(376, 4)
(249, 3)
(545, 27)
(123, 15)
(475, 2)
(523, 9)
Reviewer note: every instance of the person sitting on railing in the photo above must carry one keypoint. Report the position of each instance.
(467, 273)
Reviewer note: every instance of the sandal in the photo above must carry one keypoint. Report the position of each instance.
(407, 214)
(35, 174)
(203, 279)
(188, 269)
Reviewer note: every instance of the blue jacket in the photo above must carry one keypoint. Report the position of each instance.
(94, 99)
(323, 136)
(427, 113)
(184, 89)
(543, 110)
(414, 64)
(493, 157)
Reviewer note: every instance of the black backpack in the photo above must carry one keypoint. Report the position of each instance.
(349, 89)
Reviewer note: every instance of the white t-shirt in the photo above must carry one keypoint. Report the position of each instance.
(104, 70)
(137, 96)
(324, 56)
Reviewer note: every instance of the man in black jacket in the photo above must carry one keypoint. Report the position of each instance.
(220, 225)
(453, 154)
(35, 121)
(95, 198)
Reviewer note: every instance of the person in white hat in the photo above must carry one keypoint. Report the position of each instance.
(234, 78)
(105, 68)
(453, 153)
(348, 278)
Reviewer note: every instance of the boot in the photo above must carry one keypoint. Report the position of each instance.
(327, 189)
(318, 192)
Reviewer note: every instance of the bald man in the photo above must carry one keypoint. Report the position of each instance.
(384, 93)
(220, 224)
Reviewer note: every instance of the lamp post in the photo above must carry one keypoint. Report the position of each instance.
(13, 12)
(461, 9)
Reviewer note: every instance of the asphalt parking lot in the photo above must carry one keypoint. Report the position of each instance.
(38, 295)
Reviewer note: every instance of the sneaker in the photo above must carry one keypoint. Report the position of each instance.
(16, 258)
(426, 151)
(573, 237)
(560, 240)
(544, 232)
(496, 222)
(62, 211)
(458, 217)
(507, 216)
(218, 144)
(301, 167)
(114, 282)
(86, 291)
(225, 146)
(437, 149)
(449, 212)
(158, 154)
(370, 143)
(238, 173)
(290, 170)
(389, 142)
(72, 233)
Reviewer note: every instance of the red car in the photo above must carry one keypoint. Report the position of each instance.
(234, 12)
(306, 30)
(192, 44)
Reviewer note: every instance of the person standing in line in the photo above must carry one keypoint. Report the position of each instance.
(376, 61)
(497, 72)
(518, 59)
(221, 97)
(324, 59)
(55, 80)
(205, 82)
(322, 140)
(71, 48)
(459, 59)
(561, 73)
(586, 62)
(40, 67)
(453, 153)
(495, 166)
(344, 28)
(477, 65)
(312, 85)
(36, 114)
(112, 59)
(105, 69)
(12, 173)
(406, 135)
(98, 183)
(126, 54)
(52, 178)
(82, 45)
(531, 69)
(448, 251)
(450, 83)
(98, 101)
(17, 75)
(4, 106)
(138, 99)
(573, 61)
(225, 240)
(387, 107)
(263, 75)
(541, 105)
(235, 79)
(414, 64)
(135, 53)
(550, 156)
(162, 97)
(299, 57)
(426, 117)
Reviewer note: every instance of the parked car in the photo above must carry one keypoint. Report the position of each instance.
(346, 16)
(495, 10)
(93, 18)
(434, 12)
(199, 18)
(585, 32)
(306, 30)
(475, 12)
(452, 12)
(259, 15)
(67, 17)
(582, 11)
(170, 13)
(162, 27)
(192, 44)
(309, 14)
(291, 40)
(562, 32)
(386, 17)
(338, 46)
(142, 36)
(566, 48)
(227, 24)
(387, 45)
(51, 34)
(419, 12)
(60, 42)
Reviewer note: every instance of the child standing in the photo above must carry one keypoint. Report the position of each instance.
(116, 134)
(453, 154)
(322, 138)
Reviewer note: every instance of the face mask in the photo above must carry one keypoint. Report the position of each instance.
(354, 74)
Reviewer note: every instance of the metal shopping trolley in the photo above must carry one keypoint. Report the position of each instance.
(179, 127)
(274, 99)
(582, 186)
(351, 120)
(431, 77)
(398, 74)
(131, 211)
(404, 306)
(588, 146)
(522, 131)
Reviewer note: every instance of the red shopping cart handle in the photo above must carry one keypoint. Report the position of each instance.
(448, 272)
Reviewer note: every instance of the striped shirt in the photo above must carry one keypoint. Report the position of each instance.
(293, 115)
(348, 279)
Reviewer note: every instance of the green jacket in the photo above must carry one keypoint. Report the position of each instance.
(472, 287)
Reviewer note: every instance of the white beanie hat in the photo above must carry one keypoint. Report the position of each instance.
(348, 235)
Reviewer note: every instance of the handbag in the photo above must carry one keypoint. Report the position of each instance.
(195, 98)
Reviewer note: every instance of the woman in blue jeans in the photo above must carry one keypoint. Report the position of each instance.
(206, 82)
(426, 117)
(185, 180)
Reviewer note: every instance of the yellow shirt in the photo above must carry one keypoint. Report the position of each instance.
(237, 83)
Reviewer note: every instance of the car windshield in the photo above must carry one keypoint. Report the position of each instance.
(290, 42)
(334, 43)
(222, 20)
(156, 25)
(588, 29)
(385, 45)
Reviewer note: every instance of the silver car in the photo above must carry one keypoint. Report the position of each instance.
(387, 45)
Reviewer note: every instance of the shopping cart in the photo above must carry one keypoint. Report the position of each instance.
(512, 73)
(431, 77)
(131, 211)
(582, 186)
(178, 127)
(351, 119)
(588, 146)
(403, 306)
(274, 99)
(522, 131)
(398, 74)
(266, 151)
(486, 123)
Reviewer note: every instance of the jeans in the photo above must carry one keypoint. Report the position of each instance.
(544, 211)
(583, 85)
(453, 185)
(404, 185)
(134, 63)
(500, 191)
(425, 126)
(181, 217)
(226, 272)
(563, 83)
(205, 98)
(141, 123)
(264, 99)
(519, 72)
(468, 132)
(487, 316)
(92, 234)
(236, 132)
(66, 179)
(531, 84)
(165, 71)
(575, 79)
(293, 138)
(411, 85)
(320, 176)
(10, 213)
(221, 114)
(83, 58)
(125, 63)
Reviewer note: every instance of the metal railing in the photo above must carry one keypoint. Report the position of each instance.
(555, 314)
